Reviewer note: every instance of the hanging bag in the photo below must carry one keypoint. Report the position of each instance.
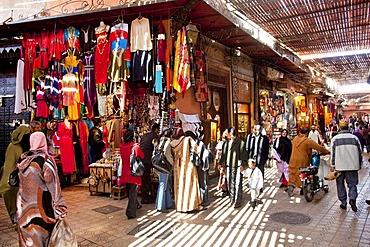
(13, 179)
(62, 235)
(136, 164)
(160, 162)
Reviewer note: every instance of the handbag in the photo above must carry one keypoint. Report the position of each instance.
(159, 161)
(62, 235)
(136, 165)
(13, 179)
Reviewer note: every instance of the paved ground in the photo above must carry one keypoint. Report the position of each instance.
(318, 223)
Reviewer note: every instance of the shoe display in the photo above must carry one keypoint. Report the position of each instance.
(343, 206)
(368, 202)
(353, 205)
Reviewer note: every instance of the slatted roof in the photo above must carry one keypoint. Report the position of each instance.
(318, 26)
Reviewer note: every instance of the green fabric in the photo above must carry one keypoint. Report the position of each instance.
(13, 152)
(10, 200)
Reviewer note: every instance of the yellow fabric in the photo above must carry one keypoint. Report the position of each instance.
(175, 82)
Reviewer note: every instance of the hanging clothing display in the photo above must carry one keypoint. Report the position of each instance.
(140, 37)
(42, 59)
(22, 97)
(120, 56)
(65, 143)
(87, 39)
(42, 109)
(30, 43)
(142, 68)
(56, 45)
(89, 83)
(72, 38)
(101, 54)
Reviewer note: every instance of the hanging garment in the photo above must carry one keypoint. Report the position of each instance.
(20, 93)
(87, 39)
(64, 138)
(102, 100)
(42, 59)
(84, 134)
(175, 80)
(153, 107)
(158, 84)
(101, 56)
(69, 89)
(71, 37)
(42, 109)
(201, 89)
(89, 83)
(140, 37)
(119, 55)
(184, 64)
(161, 43)
(30, 43)
(56, 45)
(141, 68)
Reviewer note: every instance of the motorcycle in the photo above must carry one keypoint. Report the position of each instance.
(311, 183)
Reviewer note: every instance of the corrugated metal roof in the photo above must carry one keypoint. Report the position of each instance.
(318, 26)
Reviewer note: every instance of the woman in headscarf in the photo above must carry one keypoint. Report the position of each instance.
(39, 202)
(132, 182)
(164, 200)
(283, 147)
(20, 142)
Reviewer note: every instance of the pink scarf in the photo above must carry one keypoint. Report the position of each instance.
(38, 142)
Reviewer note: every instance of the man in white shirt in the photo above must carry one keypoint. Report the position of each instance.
(315, 135)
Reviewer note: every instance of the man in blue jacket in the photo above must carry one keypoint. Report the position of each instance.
(346, 157)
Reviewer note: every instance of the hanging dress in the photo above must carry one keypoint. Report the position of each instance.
(101, 56)
(42, 109)
(89, 83)
(56, 45)
(65, 136)
(42, 60)
(30, 43)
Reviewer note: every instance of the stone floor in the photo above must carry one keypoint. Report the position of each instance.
(279, 221)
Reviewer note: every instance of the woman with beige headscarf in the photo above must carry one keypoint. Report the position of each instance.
(39, 203)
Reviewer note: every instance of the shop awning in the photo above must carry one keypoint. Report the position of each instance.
(211, 17)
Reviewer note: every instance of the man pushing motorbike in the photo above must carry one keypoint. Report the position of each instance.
(301, 157)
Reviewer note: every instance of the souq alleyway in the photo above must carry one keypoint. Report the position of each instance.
(279, 221)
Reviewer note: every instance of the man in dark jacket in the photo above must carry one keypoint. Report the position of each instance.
(146, 144)
(96, 141)
(234, 158)
(257, 146)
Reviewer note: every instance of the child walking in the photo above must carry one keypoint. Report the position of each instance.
(255, 181)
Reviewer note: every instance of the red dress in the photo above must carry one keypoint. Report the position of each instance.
(42, 109)
(42, 60)
(56, 45)
(67, 152)
(101, 57)
(126, 177)
(30, 43)
(84, 133)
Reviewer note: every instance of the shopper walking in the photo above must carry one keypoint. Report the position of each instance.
(146, 144)
(164, 200)
(301, 157)
(39, 202)
(186, 184)
(131, 182)
(257, 146)
(19, 143)
(346, 157)
(315, 135)
(283, 146)
(234, 157)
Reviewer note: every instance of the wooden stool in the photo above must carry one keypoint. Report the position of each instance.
(118, 193)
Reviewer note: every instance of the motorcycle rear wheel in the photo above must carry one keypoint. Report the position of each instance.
(308, 191)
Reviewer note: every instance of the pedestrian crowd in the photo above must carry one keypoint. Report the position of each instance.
(181, 161)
